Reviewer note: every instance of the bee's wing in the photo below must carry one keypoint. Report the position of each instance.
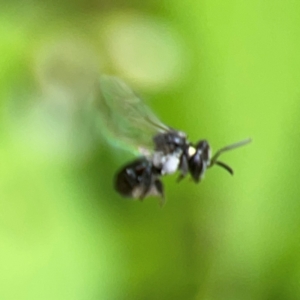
(124, 119)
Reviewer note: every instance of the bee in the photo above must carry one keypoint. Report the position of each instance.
(128, 122)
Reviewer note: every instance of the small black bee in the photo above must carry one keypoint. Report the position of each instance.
(127, 121)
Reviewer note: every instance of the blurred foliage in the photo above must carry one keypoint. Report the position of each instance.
(221, 70)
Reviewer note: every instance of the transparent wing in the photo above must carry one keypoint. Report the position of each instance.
(124, 119)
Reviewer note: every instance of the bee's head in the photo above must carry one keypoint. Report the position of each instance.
(199, 159)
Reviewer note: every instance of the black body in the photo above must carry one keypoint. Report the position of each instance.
(141, 177)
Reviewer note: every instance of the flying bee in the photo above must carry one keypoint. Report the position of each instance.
(161, 150)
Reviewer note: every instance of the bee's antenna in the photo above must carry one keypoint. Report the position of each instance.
(224, 166)
(214, 160)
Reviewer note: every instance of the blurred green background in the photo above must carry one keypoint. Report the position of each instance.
(221, 70)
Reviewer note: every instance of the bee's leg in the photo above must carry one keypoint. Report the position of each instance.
(146, 184)
(152, 187)
(183, 167)
(159, 188)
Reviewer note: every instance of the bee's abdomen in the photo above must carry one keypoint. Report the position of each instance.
(138, 179)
